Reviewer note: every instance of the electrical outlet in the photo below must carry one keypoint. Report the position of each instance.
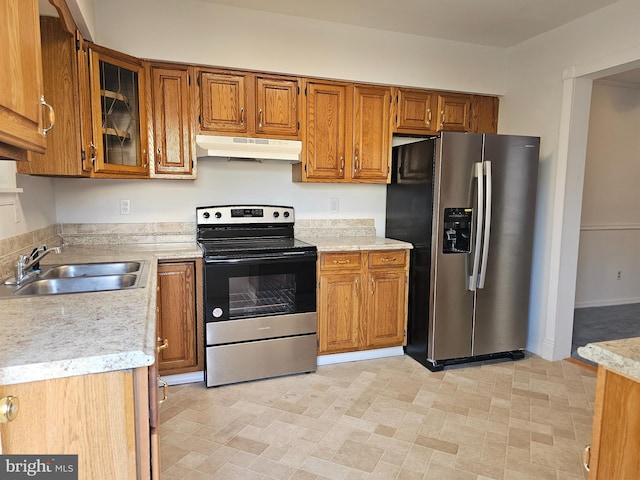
(334, 205)
(125, 207)
(619, 275)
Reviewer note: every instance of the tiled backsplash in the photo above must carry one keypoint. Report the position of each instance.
(309, 228)
(126, 233)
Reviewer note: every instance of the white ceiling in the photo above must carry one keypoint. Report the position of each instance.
(499, 23)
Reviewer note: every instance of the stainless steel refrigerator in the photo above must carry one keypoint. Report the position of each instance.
(467, 203)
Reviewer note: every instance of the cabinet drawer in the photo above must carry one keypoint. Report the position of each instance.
(387, 258)
(339, 260)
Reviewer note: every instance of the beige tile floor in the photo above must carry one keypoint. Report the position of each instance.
(385, 419)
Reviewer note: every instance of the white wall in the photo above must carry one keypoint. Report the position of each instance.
(218, 182)
(610, 225)
(540, 100)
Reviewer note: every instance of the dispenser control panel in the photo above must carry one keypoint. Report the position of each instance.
(457, 230)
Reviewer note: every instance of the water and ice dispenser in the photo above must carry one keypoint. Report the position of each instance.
(457, 230)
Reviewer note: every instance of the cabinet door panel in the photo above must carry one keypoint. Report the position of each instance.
(371, 134)
(616, 428)
(171, 120)
(385, 308)
(453, 111)
(117, 100)
(223, 102)
(92, 416)
(21, 114)
(416, 111)
(326, 131)
(484, 114)
(176, 316)
(276, 107)
(339, 307)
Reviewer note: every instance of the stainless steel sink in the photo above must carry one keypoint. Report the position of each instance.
(89, 269)
(53, 286)
(80, 278)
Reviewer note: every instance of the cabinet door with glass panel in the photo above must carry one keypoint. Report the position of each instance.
(117, 100)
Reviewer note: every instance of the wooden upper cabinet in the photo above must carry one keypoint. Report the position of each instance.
(65, 69)
(223, 102)
(327, 113)
(171, 141)
(117, 87)
(276, 106)
(371, 134)
(21, 95)
(347, 134)
(453, 112)
(484, 114)
(415, 111)
(248, 104)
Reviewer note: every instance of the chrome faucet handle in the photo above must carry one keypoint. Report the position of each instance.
(27, 265)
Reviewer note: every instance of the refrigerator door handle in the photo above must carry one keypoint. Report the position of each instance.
(487, 225)
(473, 279)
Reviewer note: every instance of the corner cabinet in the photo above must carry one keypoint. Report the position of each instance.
(347, 133)
(170, 113)
(615, 442)
(362, 300)
(179, 319)
(22, 100)
(103, 418)
(248, 104)
(117, 89)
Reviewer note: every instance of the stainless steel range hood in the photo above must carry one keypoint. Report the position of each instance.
(243, 148)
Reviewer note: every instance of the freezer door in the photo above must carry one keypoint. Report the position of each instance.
(451, 315)
(502, 304)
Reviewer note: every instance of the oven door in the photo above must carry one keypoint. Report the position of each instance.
(260, 285)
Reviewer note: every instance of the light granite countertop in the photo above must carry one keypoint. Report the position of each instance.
(621, 356)
(346, 243)
(54, 336)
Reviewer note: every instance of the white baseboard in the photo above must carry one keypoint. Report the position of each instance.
(607, 303)
(195, 377)
(361, 355)
(180, 378)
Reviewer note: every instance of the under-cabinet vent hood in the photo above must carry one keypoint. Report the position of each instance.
(242, 148)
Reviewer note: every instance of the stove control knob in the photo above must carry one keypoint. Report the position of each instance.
(218, 215)
(276, 214)
(206, 215)
(286, 214)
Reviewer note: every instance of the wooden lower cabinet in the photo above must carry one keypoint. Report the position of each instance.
(362, 300)
(179, 316)
(103, 418)
(615, 441)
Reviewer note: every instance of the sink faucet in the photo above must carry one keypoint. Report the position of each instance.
(28, 265)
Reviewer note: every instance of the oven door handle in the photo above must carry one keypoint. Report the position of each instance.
(283, 257)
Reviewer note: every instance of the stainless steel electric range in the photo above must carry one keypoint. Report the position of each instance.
(259, 293)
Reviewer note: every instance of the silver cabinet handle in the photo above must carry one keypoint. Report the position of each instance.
(586, 457)
(260, 118)
(52, 115)
(165, 391)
